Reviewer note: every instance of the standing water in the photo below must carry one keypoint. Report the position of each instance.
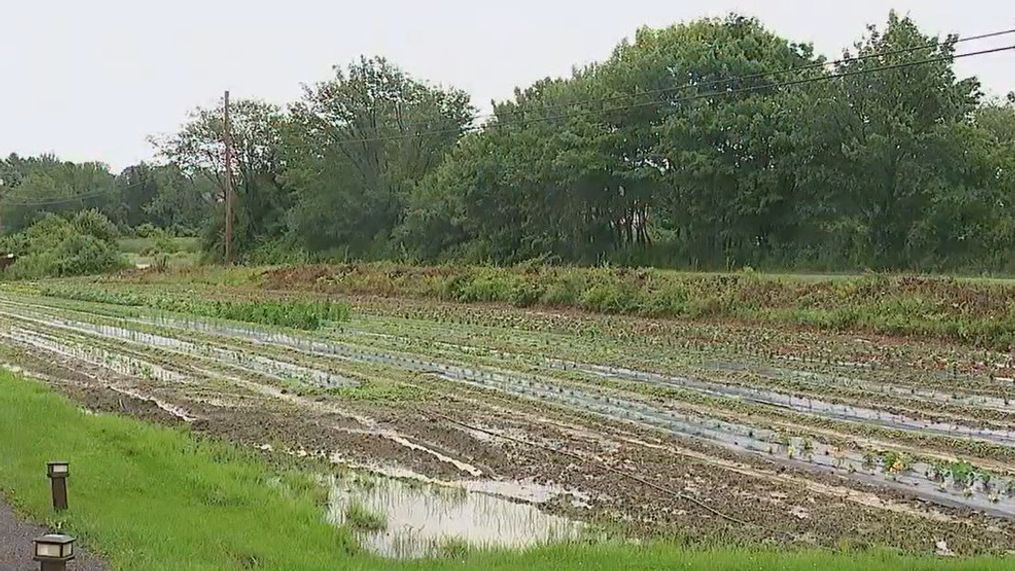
(408, 520)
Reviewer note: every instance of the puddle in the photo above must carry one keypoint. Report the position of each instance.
(407, 520)
(525, 490)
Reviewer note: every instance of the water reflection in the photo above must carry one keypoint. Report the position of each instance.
(424, 520)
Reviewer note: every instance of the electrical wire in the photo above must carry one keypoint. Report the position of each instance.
(759, 75)
(742, 78)
(76, 198)
(728, 92)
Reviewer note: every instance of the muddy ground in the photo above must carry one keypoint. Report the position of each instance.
(700, 430)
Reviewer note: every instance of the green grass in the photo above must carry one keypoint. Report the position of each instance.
(362, 518)
(176, 260)
(175, 243)
(975, 311)
(288, 313)
(174, 251)
(157, 498)
(149, 497)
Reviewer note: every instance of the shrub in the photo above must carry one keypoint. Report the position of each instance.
(80, 254)
(564, 288)
(94, 223)
(55, 246)
(276, 252)
(525, 294)
(164, 243)
(146, 230)
(616, 297)
(489, 284)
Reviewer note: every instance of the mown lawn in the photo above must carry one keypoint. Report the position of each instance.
(149, 497)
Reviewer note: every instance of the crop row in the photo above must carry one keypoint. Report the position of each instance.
(915, 477)
(297, 314)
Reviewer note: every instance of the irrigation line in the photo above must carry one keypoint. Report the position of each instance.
(607, 467)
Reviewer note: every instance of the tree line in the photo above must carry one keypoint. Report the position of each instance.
(710, 144)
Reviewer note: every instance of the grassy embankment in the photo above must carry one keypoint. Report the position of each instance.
(975, 311)
(150, 497)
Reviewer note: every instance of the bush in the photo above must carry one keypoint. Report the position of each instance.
(275, 252)
(610, 298)
(42, 236)
(164, 243)
(81, 254)
(488, 284)
(94, 223)
(55, 246)
(146, 230)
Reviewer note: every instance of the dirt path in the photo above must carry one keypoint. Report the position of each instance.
(16, 545)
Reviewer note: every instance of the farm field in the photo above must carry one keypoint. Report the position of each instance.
(553, 424)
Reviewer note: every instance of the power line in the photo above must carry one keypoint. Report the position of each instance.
(227, 140)
(580, 113)
(75, 198)
(742, 78)
(759, 75)
(749, 89)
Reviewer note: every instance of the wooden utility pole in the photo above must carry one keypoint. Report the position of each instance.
(228, 140)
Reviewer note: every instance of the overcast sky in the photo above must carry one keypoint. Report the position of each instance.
(90, 80)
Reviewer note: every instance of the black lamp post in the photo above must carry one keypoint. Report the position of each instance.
(53, 551)
(58, 472)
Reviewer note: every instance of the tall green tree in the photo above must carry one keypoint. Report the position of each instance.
(138, 186)
(358, 144)
(35, 186)
(183, 203)
(893, 149)
(635, 148)
(261, 202)
(718, 131)
(996, 119)
(686, 147)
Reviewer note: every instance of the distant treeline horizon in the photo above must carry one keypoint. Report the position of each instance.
(712, 144)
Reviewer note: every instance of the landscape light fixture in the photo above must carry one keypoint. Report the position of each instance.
(53, 551)
(58, 472)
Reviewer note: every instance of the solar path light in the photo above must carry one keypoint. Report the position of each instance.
(58, 472)
(53, 551)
